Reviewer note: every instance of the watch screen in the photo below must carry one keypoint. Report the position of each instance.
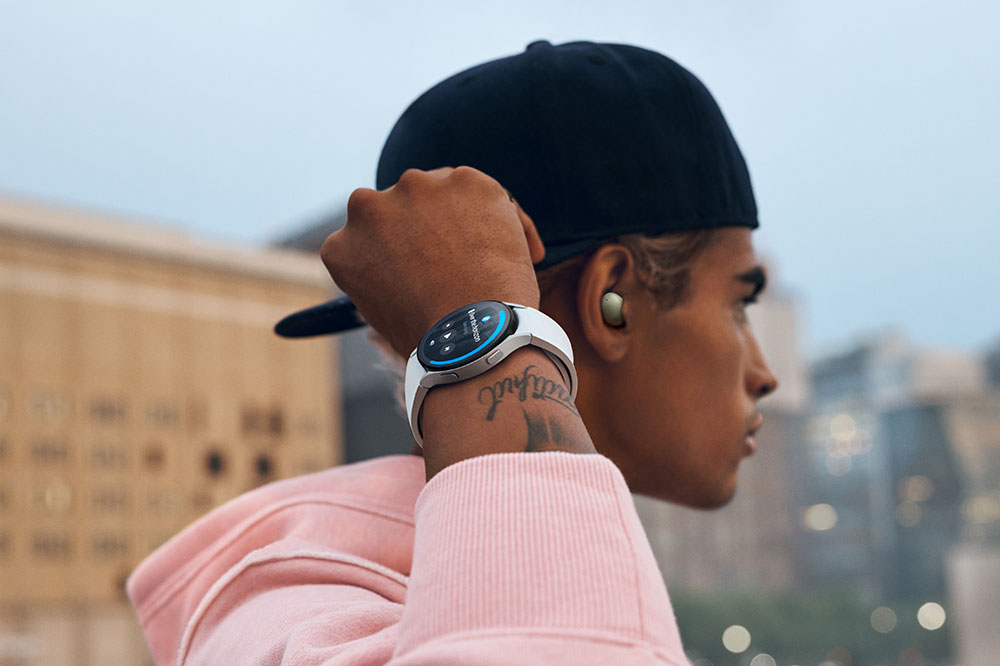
(465, 335)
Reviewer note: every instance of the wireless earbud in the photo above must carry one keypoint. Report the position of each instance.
(611, 309)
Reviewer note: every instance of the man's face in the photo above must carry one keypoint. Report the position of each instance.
(684, 407)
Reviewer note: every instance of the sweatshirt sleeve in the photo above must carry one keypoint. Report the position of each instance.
(523, 558)
(531, 558)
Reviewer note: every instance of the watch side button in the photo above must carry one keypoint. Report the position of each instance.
(495, 357)
(449, 376)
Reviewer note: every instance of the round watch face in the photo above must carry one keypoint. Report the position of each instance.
(466, 335)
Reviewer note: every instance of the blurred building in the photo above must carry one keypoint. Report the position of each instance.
(974, 566)
(750, 543)
(992, 360)
(374, 423)
(140, 385)
(881, 483)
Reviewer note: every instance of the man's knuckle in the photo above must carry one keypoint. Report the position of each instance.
(409, 177)
(360, 201)
(331, 251)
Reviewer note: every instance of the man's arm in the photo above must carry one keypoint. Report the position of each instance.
(520, 405)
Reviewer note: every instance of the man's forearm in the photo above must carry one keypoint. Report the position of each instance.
(520, 405)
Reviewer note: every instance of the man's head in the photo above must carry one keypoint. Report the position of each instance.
(626, 166)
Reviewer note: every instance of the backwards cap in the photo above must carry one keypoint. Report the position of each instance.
(593, 140)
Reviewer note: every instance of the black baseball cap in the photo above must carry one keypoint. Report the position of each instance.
(593, 140)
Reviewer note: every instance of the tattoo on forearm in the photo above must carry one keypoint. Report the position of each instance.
(542, 436)
(526, 385)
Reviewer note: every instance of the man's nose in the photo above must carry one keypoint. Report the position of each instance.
(760, 378)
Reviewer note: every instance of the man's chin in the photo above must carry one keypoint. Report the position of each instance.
(706, 496)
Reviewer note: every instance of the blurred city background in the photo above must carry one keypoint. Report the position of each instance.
(168, 173)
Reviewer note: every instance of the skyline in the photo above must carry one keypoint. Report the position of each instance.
(868, 130)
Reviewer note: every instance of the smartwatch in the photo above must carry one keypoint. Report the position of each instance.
(471, 340)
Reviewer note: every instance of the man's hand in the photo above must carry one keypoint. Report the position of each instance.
(433, 242)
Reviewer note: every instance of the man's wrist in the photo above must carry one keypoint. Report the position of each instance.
(520, 405)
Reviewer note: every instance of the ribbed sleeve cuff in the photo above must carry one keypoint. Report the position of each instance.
(544, 541)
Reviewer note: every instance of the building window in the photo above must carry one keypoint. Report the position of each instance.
(49, 451)
(109, 456)
(110, 546)
(109, 500)
(252, 420)
(154, 457)
(263, 466)
(201, 500)
(257, 421)
(162, 501)
(51, 546)
(108, 410)
(50, 406)
(276, 422)
(163, 415)
(54, 497)
(215, 463)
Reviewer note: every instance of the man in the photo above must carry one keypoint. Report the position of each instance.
(628, 201)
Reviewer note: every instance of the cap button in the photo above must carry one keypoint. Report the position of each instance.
(539, 42)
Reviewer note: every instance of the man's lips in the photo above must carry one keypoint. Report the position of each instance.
(750, 441)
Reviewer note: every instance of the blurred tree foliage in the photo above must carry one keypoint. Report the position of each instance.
(804, 627)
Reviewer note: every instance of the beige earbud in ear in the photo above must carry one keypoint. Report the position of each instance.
(611, 309)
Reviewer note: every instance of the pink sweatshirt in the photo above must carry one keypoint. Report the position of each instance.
(523, 558)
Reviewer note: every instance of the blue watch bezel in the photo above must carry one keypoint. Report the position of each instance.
(504, 330)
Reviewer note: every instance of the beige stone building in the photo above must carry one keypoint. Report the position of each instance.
(140, 385)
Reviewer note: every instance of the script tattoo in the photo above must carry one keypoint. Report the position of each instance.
(526, 385)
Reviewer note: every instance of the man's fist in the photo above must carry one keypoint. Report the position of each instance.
(431, 243)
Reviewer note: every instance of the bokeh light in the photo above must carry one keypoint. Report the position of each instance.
(820, 517)
(843, 427)
(931, 616)
(883, 619)
(736, 638)
(981, 510)
(763, 660)
(917, 488)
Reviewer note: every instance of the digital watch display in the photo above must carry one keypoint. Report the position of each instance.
(466, 334)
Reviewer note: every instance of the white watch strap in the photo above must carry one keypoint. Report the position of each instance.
(534, 328)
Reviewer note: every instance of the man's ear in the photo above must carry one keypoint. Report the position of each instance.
(610, 268)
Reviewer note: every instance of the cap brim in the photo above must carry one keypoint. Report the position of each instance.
(328, 318)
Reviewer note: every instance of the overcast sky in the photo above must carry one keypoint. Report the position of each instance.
(870, 128)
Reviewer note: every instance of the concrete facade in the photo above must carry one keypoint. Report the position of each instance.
(140, 386)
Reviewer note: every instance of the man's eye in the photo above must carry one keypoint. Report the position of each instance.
(743, 304)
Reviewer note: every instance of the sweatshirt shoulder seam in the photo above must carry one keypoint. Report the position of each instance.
(251, 562)
(160, 597)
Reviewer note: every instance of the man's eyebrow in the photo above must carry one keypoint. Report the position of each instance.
(755, 276)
